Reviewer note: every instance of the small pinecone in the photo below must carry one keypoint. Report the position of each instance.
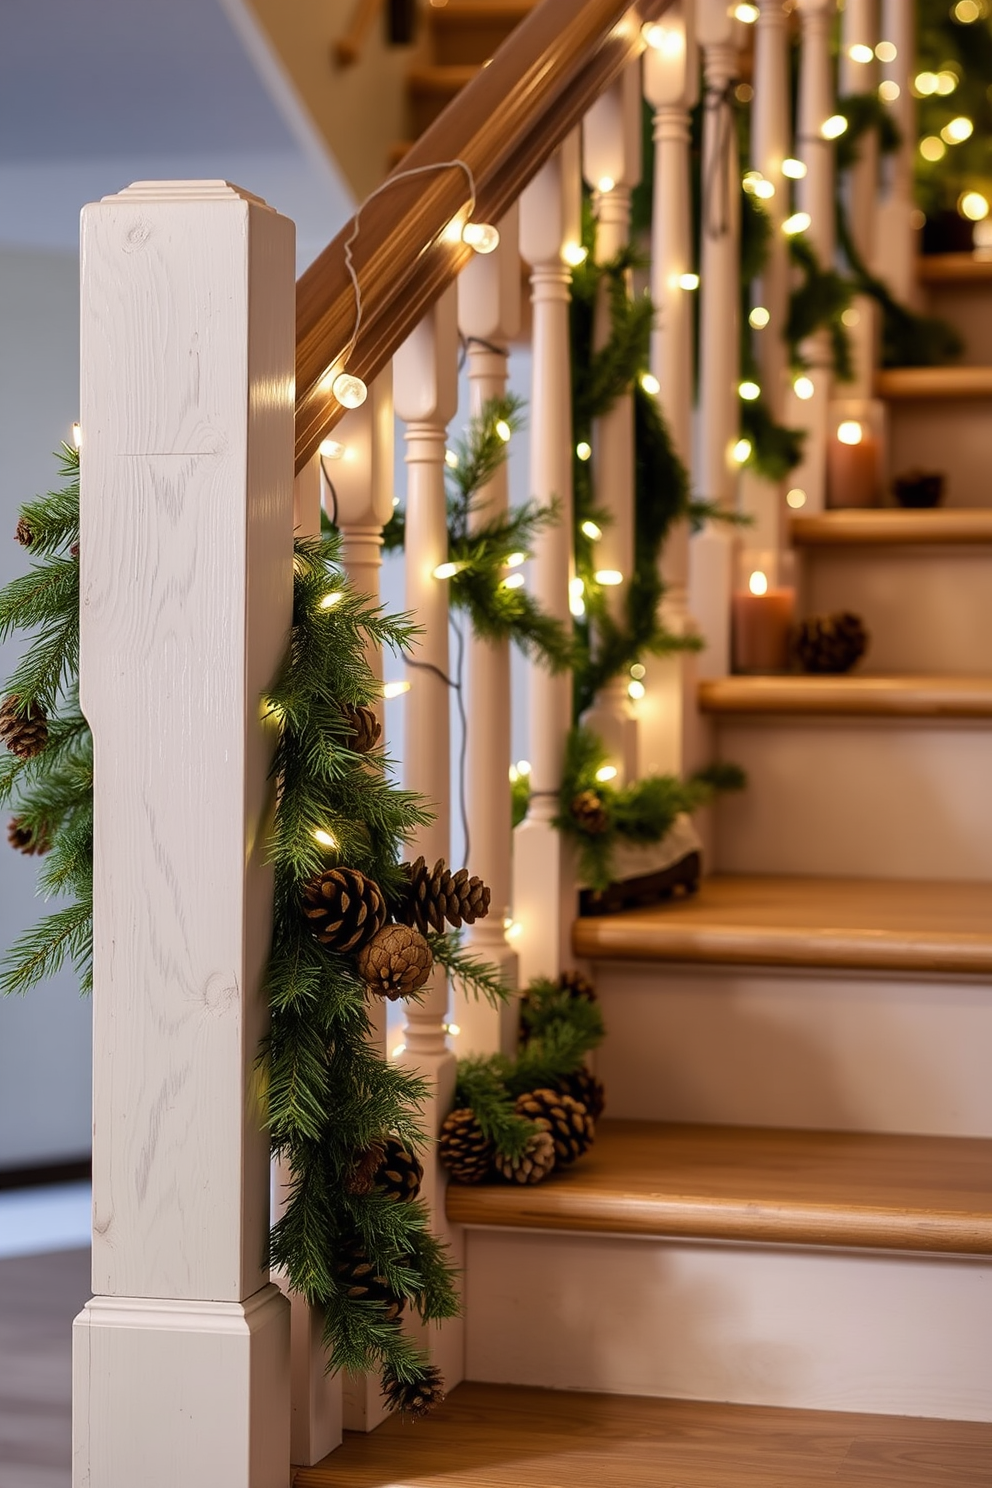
(577, 986)
(24, 734)
(22, 839)
(359, 1280)
(400, 1173)
(830, 643)
(589, 812)
(366, 730)
(569, 1124)
(463, 1148)
(361, 1179)
(414, 1397)
(436, 894)
(24, 534)
(344, 908)
(395, 962)
(534, 1163)
(583, 1087)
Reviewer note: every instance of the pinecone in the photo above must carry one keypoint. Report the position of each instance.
(589, 812)
(436, 894)
(361, 1179)
(366, 730)
(24, 534)
(830, 643)
(583, 1086)
(359, 1280)
(414, 1397)
(400, 1173)
(463, 1148)
(571, 1127)
(344, 908)
(22, 839)
(25, 734)
(396, 961)
(535, 1162)
(577, 986)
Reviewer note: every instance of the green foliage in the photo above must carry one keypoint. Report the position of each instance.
(641, 813)
(775, 448)
(944, 44)
(817, 303)
(864, 112)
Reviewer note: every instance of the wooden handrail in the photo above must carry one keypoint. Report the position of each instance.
(503, 126)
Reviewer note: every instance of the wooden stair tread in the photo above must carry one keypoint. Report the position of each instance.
(850, 697)
(954, 268)
(511, 1436)
(758, 1185)
(463, 13)
(445, 79)
(893, 525)
(934, 382)
(854, 924)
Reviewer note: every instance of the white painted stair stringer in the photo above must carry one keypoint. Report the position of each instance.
(802, 1327)
(806, 1048)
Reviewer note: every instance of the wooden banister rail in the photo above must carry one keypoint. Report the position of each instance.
(503, 126)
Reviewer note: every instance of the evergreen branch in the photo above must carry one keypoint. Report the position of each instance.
(467, 971)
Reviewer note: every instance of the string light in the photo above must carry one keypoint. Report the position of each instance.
(946, 83)
(795, 498)
(746, 13)
(574, 254)
(401, 1048)
(637, 671)
(592, 532)
(349, 390)
(451, 459)
(833, 127)
(797, 223)
(888, 91)
(688, 281)
(755, 184)
(758, 582)
(926, 83)
(606, 184)
(886, 51)
(481, 236)
(324, 838)
(514, 560)
(967, 11)
(749, 391)
(850, 316)
(605, 773)
(794, 169)
(669, 41)
(513, 581)
(636, 690)
(576, 603)
(395, 689)
(860, 53)
(973, 205)
(514, 930)
(330, 449)
(932, 148)
(583, 450)
(609, 577)
(741, 451)
(850, 432)
(650, 384)
(803, 388)
(758, 318)
(330, 600)
(77, 436)
(447, 570)
(957, 131)
(503, 430)
(523, 767)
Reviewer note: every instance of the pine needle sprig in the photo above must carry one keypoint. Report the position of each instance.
(467, 972)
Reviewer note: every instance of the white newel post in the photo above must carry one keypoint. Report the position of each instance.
(897, 237)
(181, 1360)
(859, 74)
(715, 469)
(611, 163)
(425, 387)
(815, 196)
(489, 319)
(543, 880)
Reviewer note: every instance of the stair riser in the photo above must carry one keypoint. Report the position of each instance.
(752, 1047)
(858, 798)
(946, 434)
(466, 42)
(969, 310)
(927, 610)
(816, 1329)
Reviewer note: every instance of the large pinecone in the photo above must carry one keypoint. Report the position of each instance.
(569, 1124)
(22, 839)
(360, 1280)
(25, 734)
(395, 962)
(533, 1164)
(400, 1173)
(344, 908)
(436, 894)
(463, 1148)
(414, 1397)
(830, 643)
(366, 730)
(583, 1086)
(589, 813)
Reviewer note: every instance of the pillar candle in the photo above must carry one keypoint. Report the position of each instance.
(761, 620)
(852, 466)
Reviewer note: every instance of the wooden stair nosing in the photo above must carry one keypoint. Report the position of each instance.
(916, 383)
(441, 80)
(954, 268)
(893, 526)
(927, 1195)
(962, 698)
(464, 13)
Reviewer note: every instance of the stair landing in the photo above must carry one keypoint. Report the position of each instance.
(501, 1436)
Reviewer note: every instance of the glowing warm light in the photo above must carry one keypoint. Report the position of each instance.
(401, 1048)
(749, 391)
(926, 83)
(833, 127)
(932, 148)
(514, 930)
(330, 600)
(764, 190)
(609, 577)
(523, 767)
(888, 91)
(967, 11)
(481, 236)
(973, 205)
(592, 532)
(349, 390)
(447, 570)
(514, 560)
(688, 281)
(574, 254)
(576, 604)
(797, 223)
(794, 169)
(451, 459)
(605, 773)
(637, 670)
(636, 690)
(758, 318)
(946, 83)
(650, 383)
(452, 232)
(795, 498)
(803, 388)
(330, 449)
(452, 1028)
(850, 432)
(758, 582)
(746, 13)
(741, 451)
(583, 450)
(886, 51)
(513, 581)
(395, 689)
(957, 131)
(749, 179)
(503, 430)
(850, 316)
(606, 183)
(77, 436)
(324, 838)
(860, 53)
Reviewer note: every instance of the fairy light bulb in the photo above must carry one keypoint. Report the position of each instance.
(609, 577)
(592, 531)
(926, 83)
(349, 390)
(749, 391)
(330, 600)
(481, 236)
(932, 148)
(650, 384)
(888, 91)
(513, 581)
(833, 127)
(606, 184)
(605, 773)
(395, 689)
(759, 318)
(514, 560)
(576, 602)
(574, 254)
(797, 223)
(803, 388)
(583, 450)
(886, 51)
(795, 498)
(850, 432)
(636, 690)
(447, 570)
(324, 838)
(688, 281)
(794, 169)
(741, 451)
(503, 430)
(746, 13)
(451, 459)
(330, 449)
(974, 206)
(860, 53)
(758, 582)
(957, 131)
(77, 436)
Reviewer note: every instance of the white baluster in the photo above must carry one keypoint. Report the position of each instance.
(611, 149)
(859, 74)
(897, 237)
(425, 386)
(715, 468)
(181, 1360)
(543, 883)
(667, 716)
(489, 317)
